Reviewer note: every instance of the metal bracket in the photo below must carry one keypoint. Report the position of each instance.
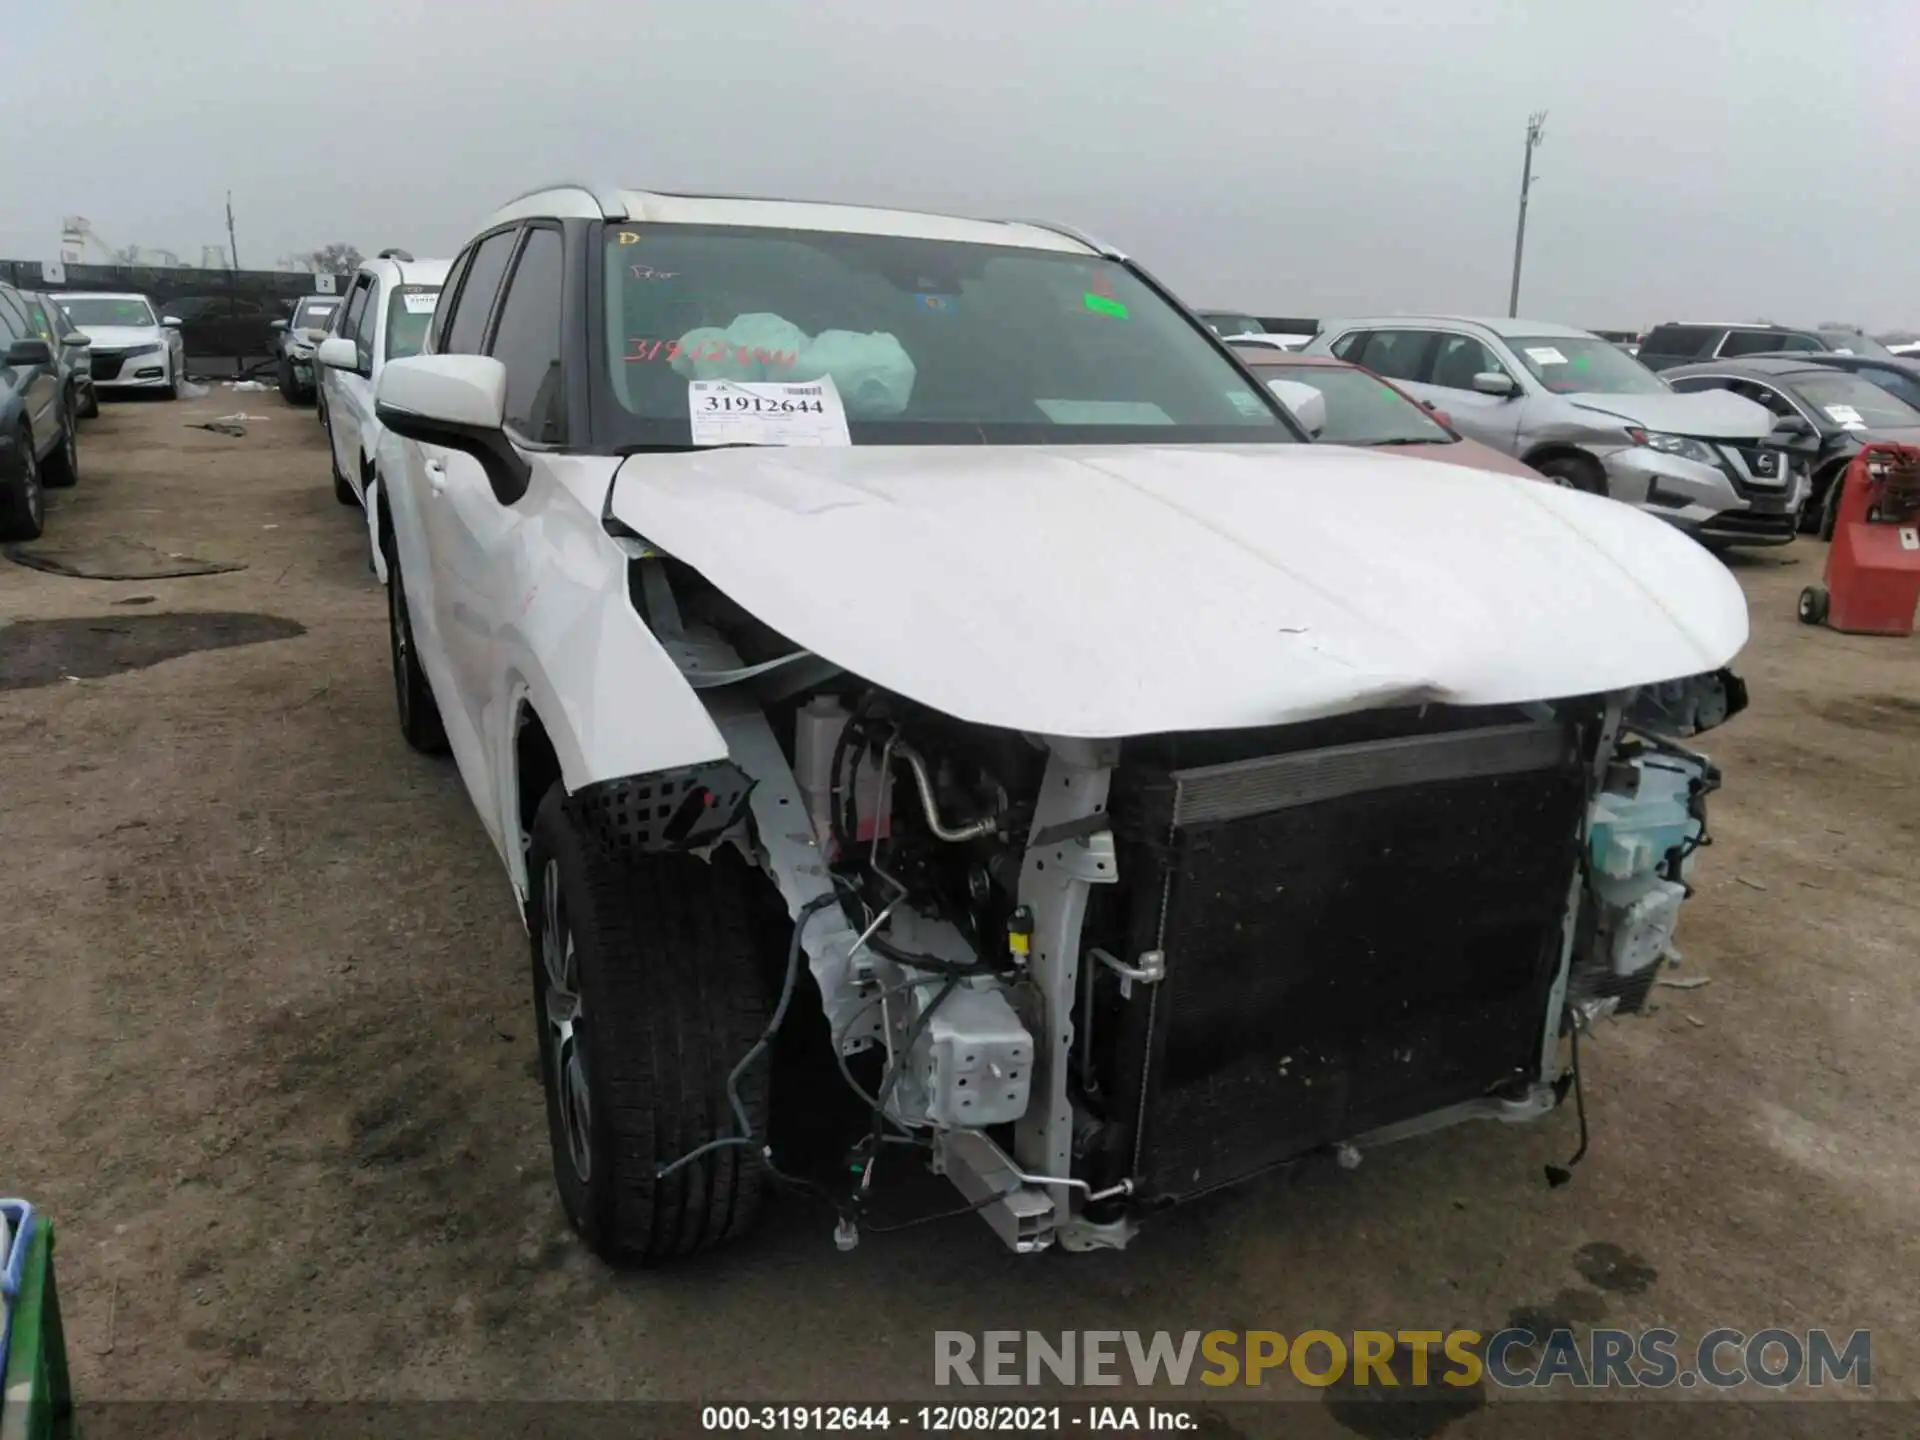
(979, 1169)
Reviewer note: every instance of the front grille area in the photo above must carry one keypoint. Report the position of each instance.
(1775, 525)
(1353, 937)
(1757, 471)
(106, 363)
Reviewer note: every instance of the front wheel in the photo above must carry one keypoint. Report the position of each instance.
(23, 505)
(646, 995)
(63, 465)
(1574, 472)
(1813, 605)
(419, 713)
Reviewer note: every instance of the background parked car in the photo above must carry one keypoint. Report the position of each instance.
(1843, 410)
(1854, 342)
(38, 430)
(1898, 375)
(1585, 415)
(388, 308)
(71, 349)
(1365, 410)
(298, 338)
(1683, 342)
(133, 347)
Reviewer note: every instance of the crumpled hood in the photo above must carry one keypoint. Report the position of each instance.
(1121, 590)
(1709, 414)
(124, 337)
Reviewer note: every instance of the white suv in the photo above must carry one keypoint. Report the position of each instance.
(388, 306)
(935, 614)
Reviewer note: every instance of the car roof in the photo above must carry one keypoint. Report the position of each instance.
(1758, 367)
(405, 272)
(1506, 328)
(1269, 355)
(1834, 360)
(657, 207)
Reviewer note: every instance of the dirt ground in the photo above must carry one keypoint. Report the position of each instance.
(266, 1054)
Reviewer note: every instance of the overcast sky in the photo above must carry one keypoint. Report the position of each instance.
(1730, 160)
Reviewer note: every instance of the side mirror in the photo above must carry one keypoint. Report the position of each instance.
(458, 402)
(279, 325)
(1793, 425)
(1307, 404)
(337, 352)
(77, 339)
(29, 352)
(172, 322)
(1492, 382)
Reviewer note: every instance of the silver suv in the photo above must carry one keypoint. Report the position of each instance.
(1586, 415)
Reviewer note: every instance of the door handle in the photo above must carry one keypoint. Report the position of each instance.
(437, 475)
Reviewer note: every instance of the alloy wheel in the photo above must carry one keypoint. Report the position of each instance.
(30, 484)
(567, 1065)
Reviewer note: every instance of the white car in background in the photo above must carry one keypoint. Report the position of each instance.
(388, 307)
(133, 348)
(921, 610)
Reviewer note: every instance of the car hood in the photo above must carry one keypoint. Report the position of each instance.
(114, 337)
(1107, 591)
(1712, 414)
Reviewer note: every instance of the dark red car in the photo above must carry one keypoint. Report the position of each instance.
(1365, 410)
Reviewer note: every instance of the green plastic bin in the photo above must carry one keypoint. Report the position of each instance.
(36, 1400)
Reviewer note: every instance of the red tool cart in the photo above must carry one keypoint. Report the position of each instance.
(1873, 566)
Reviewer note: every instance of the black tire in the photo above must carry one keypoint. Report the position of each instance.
(23, 504)
(665, 998)
(1813, 605)
(61, 468)
(413, 698)
(173, 377)
(288, 391)
(1573, 472)
(1830, 507)
(1813, 513)
(91, 410)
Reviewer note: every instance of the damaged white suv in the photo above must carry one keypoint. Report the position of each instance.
(931, 612)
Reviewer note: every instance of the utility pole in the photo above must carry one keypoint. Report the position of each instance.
(1536, 127)
(233, 250)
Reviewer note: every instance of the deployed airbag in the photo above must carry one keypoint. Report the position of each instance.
(873, 372)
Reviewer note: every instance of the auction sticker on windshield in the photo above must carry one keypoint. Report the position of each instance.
(1546, 355)
(419, 302)
(1846, 417)
(768, 412)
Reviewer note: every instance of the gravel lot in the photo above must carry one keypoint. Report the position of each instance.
(266, 1056)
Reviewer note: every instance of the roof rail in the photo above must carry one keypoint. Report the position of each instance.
(607, 197)
(1110, 252)
(393, 253)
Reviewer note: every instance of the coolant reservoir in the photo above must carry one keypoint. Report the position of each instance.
(1630, 834)
(816, 732)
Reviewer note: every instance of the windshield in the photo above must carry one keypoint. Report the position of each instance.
(1852, 342)
(86, 310)
(1224, 325)
(314, 314)
(1848, 400)
(1585, 365)
(409, 312)
(927, 342)
(1362, 409)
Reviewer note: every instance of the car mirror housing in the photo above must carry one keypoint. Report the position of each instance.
(172, 322)
(29, 352)
(1492, 382)
(1792, 425)
(458, 402)
(339, 353)
(279, 325)
(77, 339)
(1306, 404)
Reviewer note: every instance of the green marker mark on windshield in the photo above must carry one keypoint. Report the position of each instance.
(1105, 305)
(1579, 362)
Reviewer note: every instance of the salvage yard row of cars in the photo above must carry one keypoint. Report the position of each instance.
(921, 645)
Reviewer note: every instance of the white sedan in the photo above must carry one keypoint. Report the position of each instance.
(926, 612)
(133, 348)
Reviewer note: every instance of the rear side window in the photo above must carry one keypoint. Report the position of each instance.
(467, 326)
(1679, 340)
(356, 306)
(527, 339)
(1756, 342)
(1347, 347)
(364, 323)
(1397, 354)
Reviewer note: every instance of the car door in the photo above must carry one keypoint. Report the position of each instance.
(436, 497)
(480, 553)
(1450, 364)
(346, 398)
(37, 385)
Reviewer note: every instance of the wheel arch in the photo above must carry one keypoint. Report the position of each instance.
(1561, 450)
